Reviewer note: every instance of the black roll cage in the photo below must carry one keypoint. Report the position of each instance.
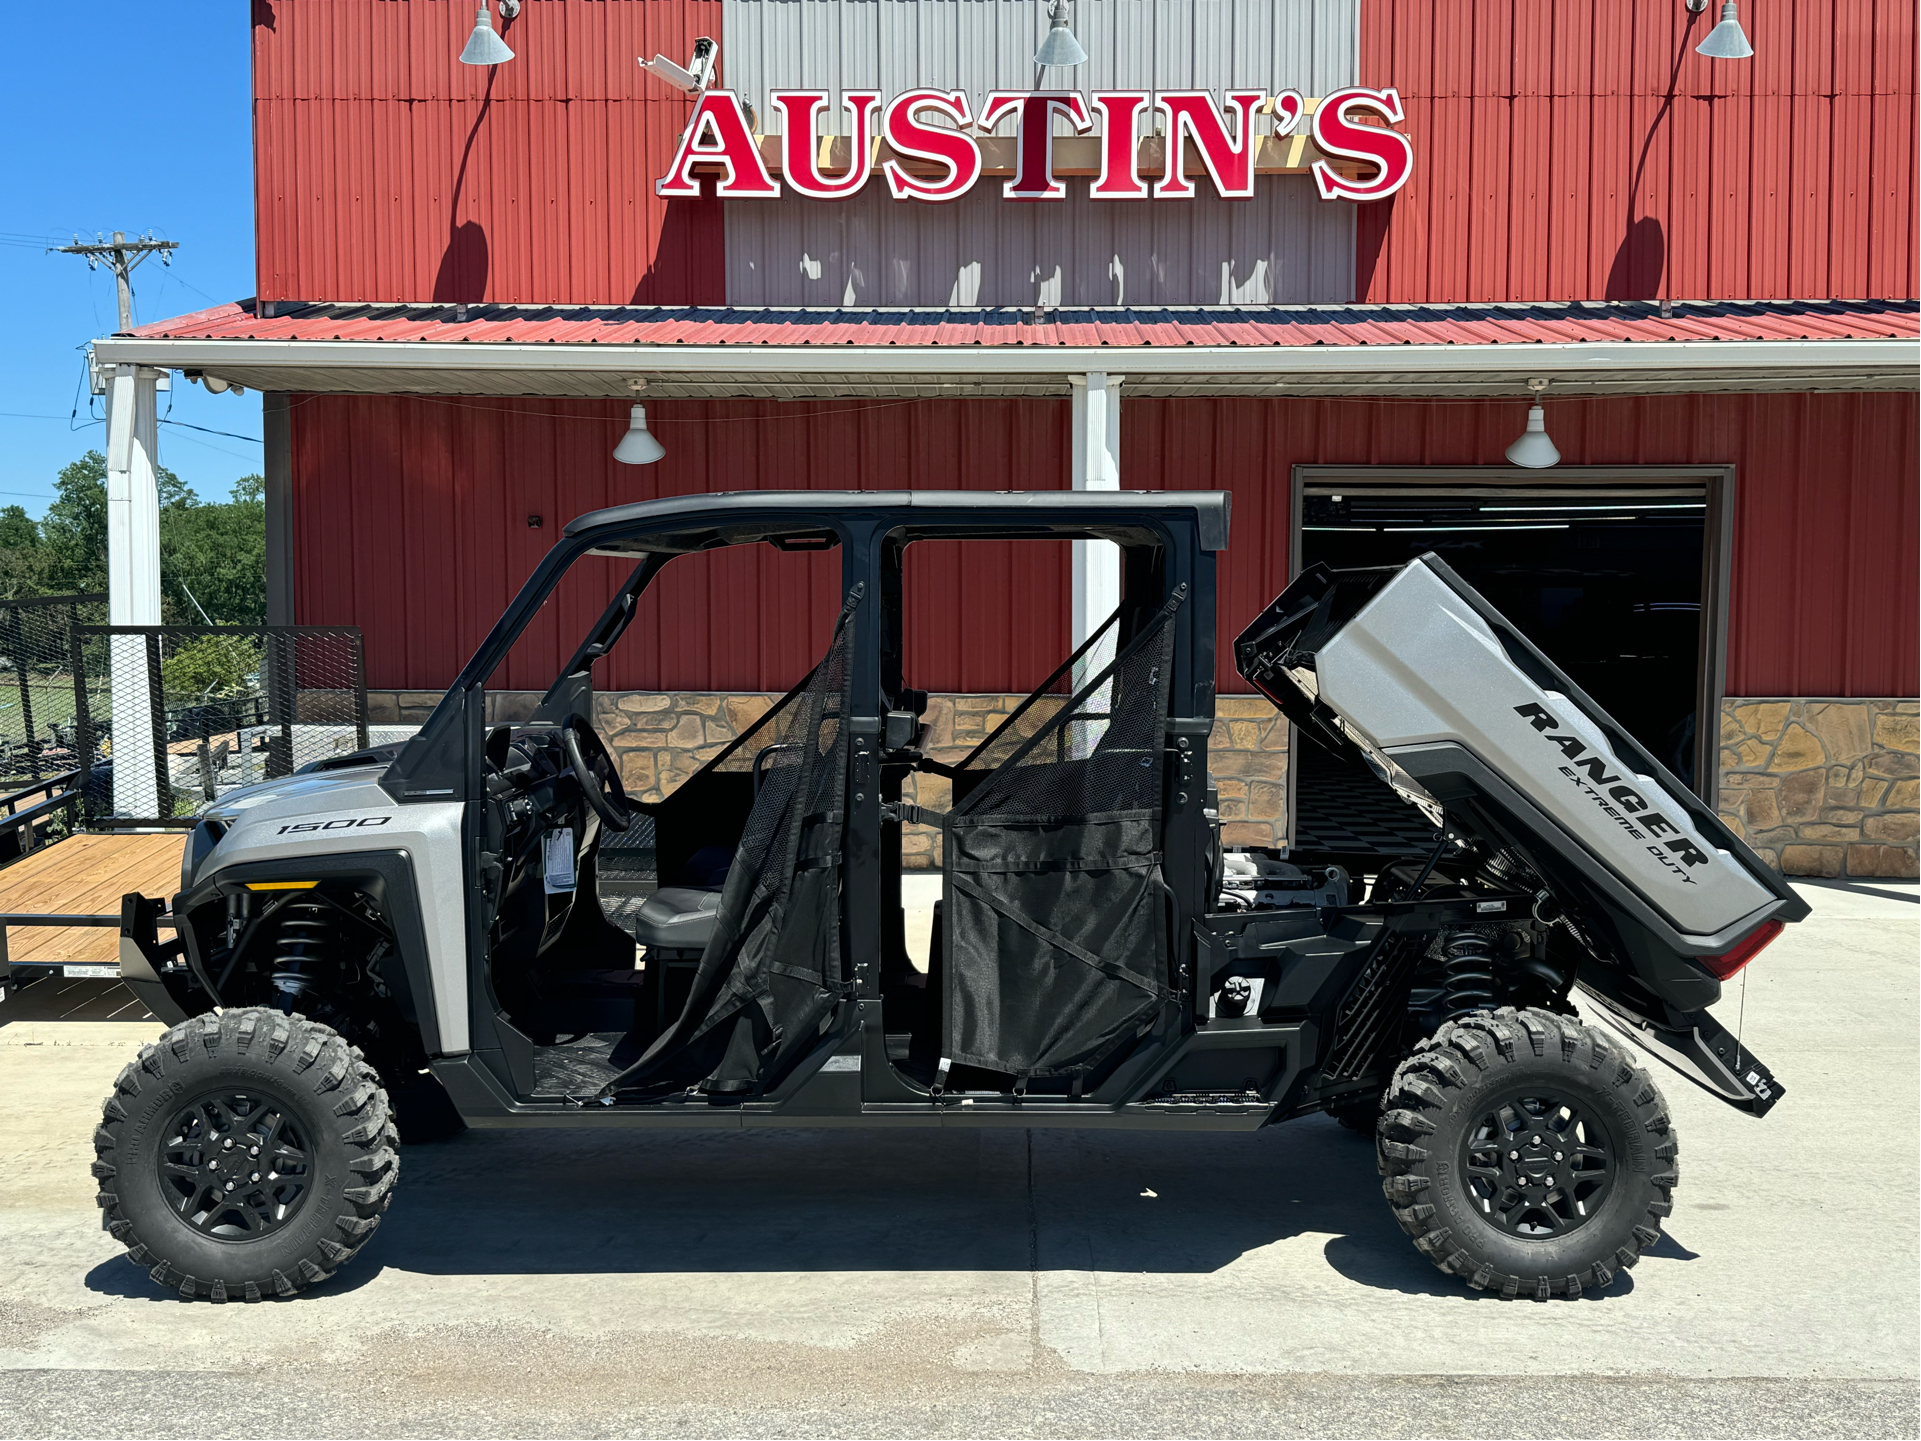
(1168, 539)
(441, 763)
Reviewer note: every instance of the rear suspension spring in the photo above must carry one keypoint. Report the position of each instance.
(1468, 973)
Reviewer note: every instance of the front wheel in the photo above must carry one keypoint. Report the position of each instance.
(245, 1154)
(1526, 1154)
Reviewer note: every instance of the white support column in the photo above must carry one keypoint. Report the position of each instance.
(1097, 466)
(133, 577)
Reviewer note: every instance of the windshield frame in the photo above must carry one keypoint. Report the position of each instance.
(437, 764)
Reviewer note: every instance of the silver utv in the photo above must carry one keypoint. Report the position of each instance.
(453, 932)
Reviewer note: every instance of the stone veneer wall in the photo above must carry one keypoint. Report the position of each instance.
(1817, 787)
(1247, 754)
(660, 739)
(1822, 787)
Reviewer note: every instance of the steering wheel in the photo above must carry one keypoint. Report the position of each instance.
(599, 777)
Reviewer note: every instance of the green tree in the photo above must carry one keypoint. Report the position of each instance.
(17, 529)
(211, 666)
(210, 553)
(215, 554)
(74, 529)
(23, 559)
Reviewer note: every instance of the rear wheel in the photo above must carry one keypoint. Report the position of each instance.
(1527, 1154)
(245, 1154)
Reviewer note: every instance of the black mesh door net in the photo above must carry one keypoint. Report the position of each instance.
(1056, 916)
(770, 978)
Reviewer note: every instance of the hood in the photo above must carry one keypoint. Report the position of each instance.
(309, 790)
(302, 812)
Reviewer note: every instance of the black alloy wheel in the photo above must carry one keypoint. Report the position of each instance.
(1536, 1165)
(1527, 1153)
(235, 1165)
(245, 1155)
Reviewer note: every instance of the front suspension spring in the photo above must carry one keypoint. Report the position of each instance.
(300, 953)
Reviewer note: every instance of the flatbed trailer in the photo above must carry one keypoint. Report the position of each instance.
(60, 905)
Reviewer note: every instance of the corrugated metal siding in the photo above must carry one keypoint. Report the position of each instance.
(385, 170)
(983, 45)
(1823, 590)
(1579, 149)
(1583, 149)
(410, 520)
(1284, 245)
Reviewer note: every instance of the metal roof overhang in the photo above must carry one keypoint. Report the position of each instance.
(413, 367)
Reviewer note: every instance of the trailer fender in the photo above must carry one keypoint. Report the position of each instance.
(151, 967)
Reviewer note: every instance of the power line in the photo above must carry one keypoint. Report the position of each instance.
(230, 434)
(203, 429)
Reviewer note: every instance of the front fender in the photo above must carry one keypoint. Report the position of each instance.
(386, 876)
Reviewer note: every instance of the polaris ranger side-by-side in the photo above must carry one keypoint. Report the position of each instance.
(434, 926)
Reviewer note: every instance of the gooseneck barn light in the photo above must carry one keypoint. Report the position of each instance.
(637, 446)
(484, 46)
(1533, 449)
(1727, 40)
(1059, 47)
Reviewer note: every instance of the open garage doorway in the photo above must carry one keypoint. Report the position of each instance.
(1617, 574)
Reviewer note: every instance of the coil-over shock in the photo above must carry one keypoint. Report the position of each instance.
(300, 955)
(1467, 973)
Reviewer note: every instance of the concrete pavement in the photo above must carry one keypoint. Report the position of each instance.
(826, 1282)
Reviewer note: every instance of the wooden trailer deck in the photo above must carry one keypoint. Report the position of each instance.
(83, 875)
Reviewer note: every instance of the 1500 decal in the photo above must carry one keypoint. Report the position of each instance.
(345, 823)
(1618, 800)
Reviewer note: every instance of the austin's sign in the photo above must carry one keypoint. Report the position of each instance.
(922, 146)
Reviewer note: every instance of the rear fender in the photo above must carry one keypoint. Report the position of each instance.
(1700, 1048)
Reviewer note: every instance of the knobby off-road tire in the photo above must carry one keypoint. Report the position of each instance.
(1525, 1153)
(246, 1154)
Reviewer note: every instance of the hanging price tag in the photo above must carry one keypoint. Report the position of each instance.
(557, 860)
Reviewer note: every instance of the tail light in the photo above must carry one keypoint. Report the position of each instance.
(1724, 966)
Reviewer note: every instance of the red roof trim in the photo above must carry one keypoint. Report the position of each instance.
(1334, 325)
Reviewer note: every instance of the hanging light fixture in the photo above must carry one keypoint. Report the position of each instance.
(1059, 47)
(1533, 449)
(638, 446)
(484, 46)
(1727, 40)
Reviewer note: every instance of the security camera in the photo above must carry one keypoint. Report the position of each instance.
(692, 78)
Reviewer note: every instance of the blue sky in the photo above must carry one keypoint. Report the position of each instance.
(120, 116)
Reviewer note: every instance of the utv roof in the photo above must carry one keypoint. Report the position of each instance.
(691, 522)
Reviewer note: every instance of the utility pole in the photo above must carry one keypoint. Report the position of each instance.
(133, 541)
(121, 255)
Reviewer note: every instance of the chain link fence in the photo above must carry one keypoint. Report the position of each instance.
(38, 738)
(170, 718)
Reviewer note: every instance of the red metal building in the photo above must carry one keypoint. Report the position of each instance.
(468, 273)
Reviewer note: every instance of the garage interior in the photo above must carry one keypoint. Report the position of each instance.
(1618, 575)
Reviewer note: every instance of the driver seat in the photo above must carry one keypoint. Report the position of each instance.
(676, 918)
